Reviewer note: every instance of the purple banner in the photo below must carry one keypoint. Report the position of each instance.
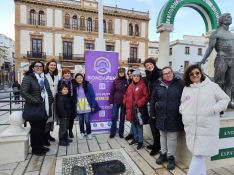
(100, 70)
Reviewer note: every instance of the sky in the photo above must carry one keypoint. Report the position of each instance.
(187, 20)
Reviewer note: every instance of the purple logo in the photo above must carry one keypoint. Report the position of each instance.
(94, 125)
(187, 98)
(102, 65)
(109, 123)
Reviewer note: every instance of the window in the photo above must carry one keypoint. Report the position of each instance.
(67, 21)
(170, 51)
(41, 15)
(110, 28)
(133, 52)
(74, 22)
(82, 23)
(199, 51)
(96, 25)
(170, 64)
(36, 48)
(104, 26)
(67, 50)
(89, 46)
(130, 32)
(110, 47)
(89, 24)
(32, 19)
(187, 50)
(137, 30)
(186, 64)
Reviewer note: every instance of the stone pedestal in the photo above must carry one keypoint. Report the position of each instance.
(226, 151)
(14, 140)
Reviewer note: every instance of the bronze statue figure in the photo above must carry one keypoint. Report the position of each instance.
(222, 40)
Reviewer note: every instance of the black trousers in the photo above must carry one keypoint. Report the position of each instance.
(155, 134)
(71, 123)
(37, 135)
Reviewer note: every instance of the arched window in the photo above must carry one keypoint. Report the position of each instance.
(74, 22)
(137, 33)
(96, 25)
(110, 26)
(89, 24)
(104, 25)
(67, 21)
(82, 23)
(130, 29)
(41, 20)
(32, 19)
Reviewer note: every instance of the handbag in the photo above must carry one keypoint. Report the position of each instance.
(34, 112)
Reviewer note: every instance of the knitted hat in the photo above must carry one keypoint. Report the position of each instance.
(136, 72)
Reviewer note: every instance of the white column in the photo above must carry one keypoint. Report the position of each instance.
(100, 43)
(164, 43)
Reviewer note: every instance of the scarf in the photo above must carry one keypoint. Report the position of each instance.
(44, 94)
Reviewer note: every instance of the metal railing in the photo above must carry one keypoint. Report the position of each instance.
(134, 60)
(75, 57)
(31, 54)
(33, 21)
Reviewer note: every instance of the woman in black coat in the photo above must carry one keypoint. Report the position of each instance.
(164, 106)
(35, 90)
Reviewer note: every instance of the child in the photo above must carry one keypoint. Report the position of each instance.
(63, 107)
(85, 103)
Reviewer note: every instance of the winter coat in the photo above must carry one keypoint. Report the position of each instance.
(31, 91)
(118, 90)
(201, 105)
(164, 105)
(136, 94)
(16, 88)
(54, 89)
(90, 95)
(63, 106)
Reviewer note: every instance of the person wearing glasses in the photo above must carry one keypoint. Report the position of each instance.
(201, 103)
(164, 106)
(35, 90)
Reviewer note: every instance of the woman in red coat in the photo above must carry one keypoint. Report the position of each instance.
(135, 100)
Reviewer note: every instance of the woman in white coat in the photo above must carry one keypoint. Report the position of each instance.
(201, 103)
(51, 73)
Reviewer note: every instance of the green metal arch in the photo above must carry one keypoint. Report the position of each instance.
(203, 8)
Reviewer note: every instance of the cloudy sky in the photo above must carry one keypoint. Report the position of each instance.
(187, 21)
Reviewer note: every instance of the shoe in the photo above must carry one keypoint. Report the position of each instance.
(162, 158)
(71, 135)
(133, 142)
(150, 147)
(69, 140)
(50, 138)
(129, 137)
(171, 163)
(46, 143)
(112, 136)
(153, 152)
(90, 136)
(140, 145)
(81, 136)
(121, 136)
(63, 143)
(45, 149)
(39, 153)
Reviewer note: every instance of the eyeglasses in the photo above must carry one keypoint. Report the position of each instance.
(37, 66)
(192, 74)
(168, 73)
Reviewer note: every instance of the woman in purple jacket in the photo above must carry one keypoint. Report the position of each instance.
(119, 87)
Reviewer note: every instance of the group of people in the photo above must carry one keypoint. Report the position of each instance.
(161, 99)
(192, 104)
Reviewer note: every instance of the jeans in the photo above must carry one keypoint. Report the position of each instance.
(197, 166)
(63, 125)
(84, 118)
(115, 114)
(138, 132)
(168, 142)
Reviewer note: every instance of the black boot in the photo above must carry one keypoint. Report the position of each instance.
(50, 138)
(162, 158)
(154, 151)
(129, 137)
(46, 140)
(140, 145)
(133, 142)
(71, 135)
(171, 163)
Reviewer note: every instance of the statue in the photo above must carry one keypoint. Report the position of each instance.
(222, 40)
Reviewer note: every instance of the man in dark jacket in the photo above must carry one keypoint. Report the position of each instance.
(16, 91)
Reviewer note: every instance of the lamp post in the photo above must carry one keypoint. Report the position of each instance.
(100, 41)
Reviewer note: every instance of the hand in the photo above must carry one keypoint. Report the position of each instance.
(111, 105)
(92, 109)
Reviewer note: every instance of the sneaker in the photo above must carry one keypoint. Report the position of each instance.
(140, 145)
(112, 136)
(133, 142)
(171, 163)
(162, 158)
(63, 143)
(90, 136)
(81, 136)
(129, 137)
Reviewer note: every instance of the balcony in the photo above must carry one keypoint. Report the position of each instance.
(67, 26)
(71, 57)
(36, 22)
(134, 60)
(36, 55)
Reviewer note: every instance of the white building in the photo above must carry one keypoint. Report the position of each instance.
(153, 49)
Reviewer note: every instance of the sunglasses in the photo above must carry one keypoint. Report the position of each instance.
(192, 74)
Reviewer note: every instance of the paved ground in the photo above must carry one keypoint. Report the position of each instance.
(45, 165)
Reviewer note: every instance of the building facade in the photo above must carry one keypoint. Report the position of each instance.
(153, 49)
(64, 29)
